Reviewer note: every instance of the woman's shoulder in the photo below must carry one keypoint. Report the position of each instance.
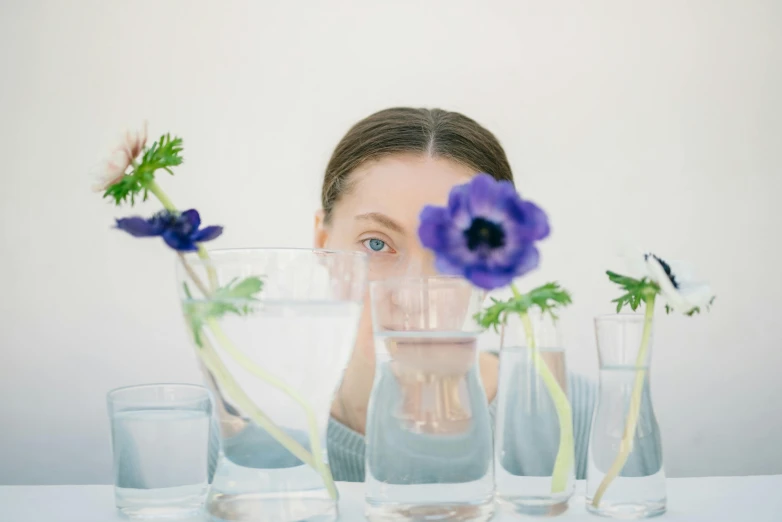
(346, 447)
(346, 450)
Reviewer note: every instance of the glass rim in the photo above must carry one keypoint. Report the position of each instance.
(193, 257)
(110, 395)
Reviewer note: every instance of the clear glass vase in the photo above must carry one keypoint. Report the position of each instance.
(273, 331)
(429, 439)
(625, 476)
(534, 459)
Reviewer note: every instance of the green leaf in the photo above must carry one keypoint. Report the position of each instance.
(622, 280)
(547, 298)
(162, 154)
(233, 298)
(124, 190)
(636, 290)
(245, 289)
(493, 315)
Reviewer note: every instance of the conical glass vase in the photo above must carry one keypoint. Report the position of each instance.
(273, 330)
(625, 476)
(534, 466)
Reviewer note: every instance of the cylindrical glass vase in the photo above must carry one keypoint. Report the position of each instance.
(534, 449)
(625, 476)
(429, 438)
(273, 331)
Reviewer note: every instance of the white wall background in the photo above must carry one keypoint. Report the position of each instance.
(655, 122)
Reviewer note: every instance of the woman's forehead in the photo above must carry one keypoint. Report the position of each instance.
(400, 186)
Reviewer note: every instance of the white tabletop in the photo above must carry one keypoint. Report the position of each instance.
(712, 499)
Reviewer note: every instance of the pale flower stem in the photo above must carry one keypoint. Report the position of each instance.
(210, 271)
(193, 276)
(564, 460)
(155, 189)
(626, 445)
(317, 456)
(270, 379)
(226, 382)
(212, 361)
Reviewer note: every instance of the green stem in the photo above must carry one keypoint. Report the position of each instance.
(626, 445)
(563, 464)
(155, 189)
(313, 458)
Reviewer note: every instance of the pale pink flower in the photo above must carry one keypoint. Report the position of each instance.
(115, 167)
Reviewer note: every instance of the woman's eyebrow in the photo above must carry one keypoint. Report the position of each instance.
(381, 219)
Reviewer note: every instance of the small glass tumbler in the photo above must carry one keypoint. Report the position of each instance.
(160, 437)
(429, 438)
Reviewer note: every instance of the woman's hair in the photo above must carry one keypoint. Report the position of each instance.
(434, 132)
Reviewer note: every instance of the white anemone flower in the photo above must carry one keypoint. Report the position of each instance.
(681, 291)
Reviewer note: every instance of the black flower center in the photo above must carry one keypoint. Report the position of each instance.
(172, 222)
(483, 232)
(667, 269)
(182, 226)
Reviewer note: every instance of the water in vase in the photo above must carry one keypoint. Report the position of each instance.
(306, 346)
(528, 434)
(639, 490)
(429, 440)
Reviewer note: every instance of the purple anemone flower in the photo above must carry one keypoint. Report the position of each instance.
(180, 231)
(486, 234)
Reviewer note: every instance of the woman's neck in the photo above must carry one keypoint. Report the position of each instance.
(352, 398)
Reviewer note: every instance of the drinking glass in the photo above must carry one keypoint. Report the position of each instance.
(160, 439)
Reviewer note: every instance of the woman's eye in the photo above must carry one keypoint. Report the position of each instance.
(375, 245)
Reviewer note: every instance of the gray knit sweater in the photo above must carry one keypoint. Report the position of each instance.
(346, 447)
(529, 448)
(529, 443)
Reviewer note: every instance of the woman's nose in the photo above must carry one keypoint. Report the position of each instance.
(419, 263)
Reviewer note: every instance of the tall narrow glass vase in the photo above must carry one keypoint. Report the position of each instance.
(534, 450)
(625, 476)
(429, 439)
(273, 331)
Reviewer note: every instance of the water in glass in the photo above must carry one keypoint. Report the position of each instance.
(160, 450)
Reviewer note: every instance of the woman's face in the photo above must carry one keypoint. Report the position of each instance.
(379, 216)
